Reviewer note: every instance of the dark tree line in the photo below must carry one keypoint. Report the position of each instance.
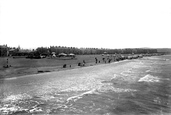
(89, 51)
(77, 51)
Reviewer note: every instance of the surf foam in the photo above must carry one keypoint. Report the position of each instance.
(149, 78)
(15, 98)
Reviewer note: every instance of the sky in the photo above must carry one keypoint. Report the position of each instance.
(86, 23)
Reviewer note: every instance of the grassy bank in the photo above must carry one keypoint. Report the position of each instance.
(23, 66)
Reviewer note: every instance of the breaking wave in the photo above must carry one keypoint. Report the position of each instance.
(149, 78)
(104, 88)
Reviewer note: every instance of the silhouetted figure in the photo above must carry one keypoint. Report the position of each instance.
(64, 66)
(7, 62)
(79, 64)
(96, 59)
(103, 59)
(84, 62)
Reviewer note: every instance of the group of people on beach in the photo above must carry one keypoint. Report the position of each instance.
(107, 59)
(104, 60)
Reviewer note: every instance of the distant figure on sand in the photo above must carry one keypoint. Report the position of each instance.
(103, 59)
(96, 59)
(64, 66)
(109, 60)
(79, 64)
(84, 62)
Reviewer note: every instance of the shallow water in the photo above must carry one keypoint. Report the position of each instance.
(138, 87)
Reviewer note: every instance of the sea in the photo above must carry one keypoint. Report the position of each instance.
(132, 87)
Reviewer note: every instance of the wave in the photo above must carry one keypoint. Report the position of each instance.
(104, 88)
(10, 109)
(110, 88)
(15, 98)
(148, 71)
(149, 78)
(74, 98)
(10, 105)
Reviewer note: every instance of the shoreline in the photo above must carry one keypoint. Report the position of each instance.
(31, 67)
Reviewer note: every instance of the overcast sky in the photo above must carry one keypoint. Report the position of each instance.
(86, 23)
